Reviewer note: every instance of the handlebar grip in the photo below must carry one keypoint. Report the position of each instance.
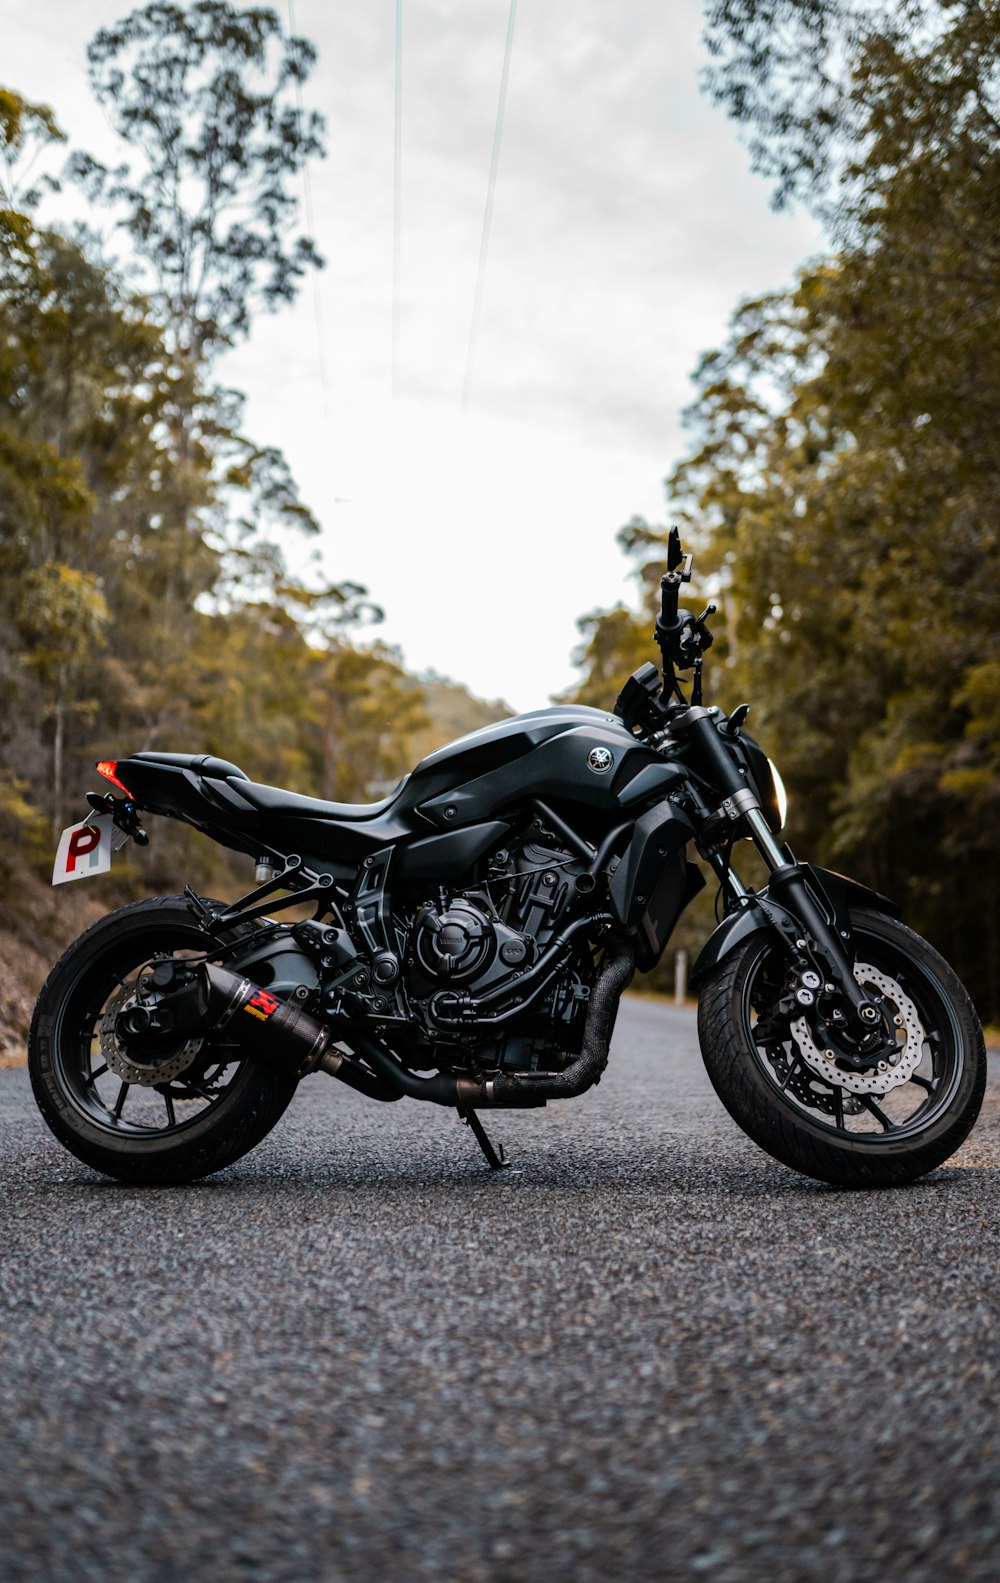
(678, 571)
(670, 588)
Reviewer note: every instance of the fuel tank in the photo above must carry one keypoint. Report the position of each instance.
(568, 753)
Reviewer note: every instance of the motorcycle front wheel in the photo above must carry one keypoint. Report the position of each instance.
(777, 1076)
(194, 1108)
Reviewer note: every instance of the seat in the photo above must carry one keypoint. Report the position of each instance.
(274, 799)
(197, 763)
(269, 799)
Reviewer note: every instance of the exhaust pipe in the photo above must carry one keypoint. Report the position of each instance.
(204, 996)
(520, 1090)
(524, 1090)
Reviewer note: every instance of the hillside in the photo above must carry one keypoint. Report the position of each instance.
(38, 922)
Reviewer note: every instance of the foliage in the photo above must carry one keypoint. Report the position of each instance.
(145, 598)
(25, 129)
(842, 482)
(205, 97)
(824, 88)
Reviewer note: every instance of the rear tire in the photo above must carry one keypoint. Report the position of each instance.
(209, 1113)
(818, 1127)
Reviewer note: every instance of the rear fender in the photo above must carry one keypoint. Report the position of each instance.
(182, 786)
(836, 894)
(199, 791)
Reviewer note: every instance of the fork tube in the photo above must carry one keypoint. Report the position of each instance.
(764, 841)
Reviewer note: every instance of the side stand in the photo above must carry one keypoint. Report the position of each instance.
(495, 1158)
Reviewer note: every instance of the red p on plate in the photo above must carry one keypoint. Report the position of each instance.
(84, 839)
(84, 850)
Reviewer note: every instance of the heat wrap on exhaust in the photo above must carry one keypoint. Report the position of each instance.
(520, 1090)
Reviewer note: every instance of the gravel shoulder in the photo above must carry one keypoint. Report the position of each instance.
(645, 1352)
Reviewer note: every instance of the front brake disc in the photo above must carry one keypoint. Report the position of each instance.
(888, 1073)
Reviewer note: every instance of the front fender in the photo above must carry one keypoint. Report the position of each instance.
(836, 894)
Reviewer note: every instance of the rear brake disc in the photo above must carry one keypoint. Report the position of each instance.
(129, 1066)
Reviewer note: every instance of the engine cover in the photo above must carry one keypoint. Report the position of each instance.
(453, 945)
(459, 943)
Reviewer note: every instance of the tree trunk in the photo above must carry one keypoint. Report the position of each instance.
(58, 750)
(330, 749)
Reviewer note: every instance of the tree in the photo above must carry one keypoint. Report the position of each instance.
(127, 495)
(208, 99)
(844, 462)
(25, 130)
(62, 617)
(205, 97)
(903, 490)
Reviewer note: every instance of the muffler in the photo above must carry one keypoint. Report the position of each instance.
(194, 997)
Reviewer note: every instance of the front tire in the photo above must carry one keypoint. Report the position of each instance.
(203, 1108)
(787, 1103)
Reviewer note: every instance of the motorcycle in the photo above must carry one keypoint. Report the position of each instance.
(467, 941)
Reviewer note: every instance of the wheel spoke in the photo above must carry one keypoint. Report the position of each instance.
(203, 1092)
(838, 1107)
(120, 1101)
(171, 1119)
(880, 1115)
(922, 1082)
(100, 1071)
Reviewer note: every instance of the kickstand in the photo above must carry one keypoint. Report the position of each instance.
(495, 1158)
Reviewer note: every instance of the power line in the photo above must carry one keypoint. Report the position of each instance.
(484, 245)
(397, 201)
(307, 190)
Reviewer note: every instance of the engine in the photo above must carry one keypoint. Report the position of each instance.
(459, 942)
(474, 946)
(448, 978)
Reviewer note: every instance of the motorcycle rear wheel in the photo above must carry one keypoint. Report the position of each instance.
(871, 1139)
(211, 1111)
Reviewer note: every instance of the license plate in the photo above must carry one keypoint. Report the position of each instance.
(85, 850)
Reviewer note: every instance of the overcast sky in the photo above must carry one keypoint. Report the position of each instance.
(626, 228)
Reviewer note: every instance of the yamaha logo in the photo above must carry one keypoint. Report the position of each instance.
(599, 760)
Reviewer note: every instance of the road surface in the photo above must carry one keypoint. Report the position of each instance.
(645, 1352)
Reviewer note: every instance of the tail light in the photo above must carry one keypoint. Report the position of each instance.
(108, 768)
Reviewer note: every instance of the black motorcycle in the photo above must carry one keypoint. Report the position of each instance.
(468, 939)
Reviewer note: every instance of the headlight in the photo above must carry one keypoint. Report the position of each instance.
(766, 782)
(780, 794)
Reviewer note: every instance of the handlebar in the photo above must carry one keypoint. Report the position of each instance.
(682, 638)
(669, 622)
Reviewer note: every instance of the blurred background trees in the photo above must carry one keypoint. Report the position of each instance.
(843, 480)
(146, 596)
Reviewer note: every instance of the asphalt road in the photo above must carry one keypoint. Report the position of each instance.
(645, 1352)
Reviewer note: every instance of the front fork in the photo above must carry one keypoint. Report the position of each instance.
(817, 947)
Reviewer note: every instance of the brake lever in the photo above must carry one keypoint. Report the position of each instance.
(706, 637)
